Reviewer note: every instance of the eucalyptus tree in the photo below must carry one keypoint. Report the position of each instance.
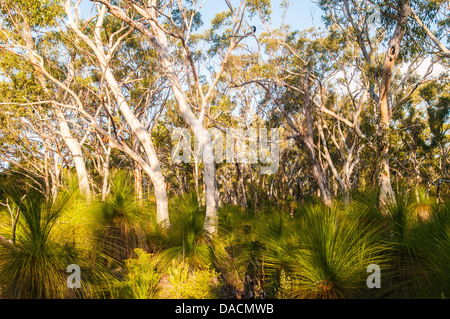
(389, 35)
(288, 79)
(170, 27)
(29, 32)
(104, 50)
(73, 92)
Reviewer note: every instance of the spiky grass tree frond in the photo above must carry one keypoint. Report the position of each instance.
(423, 204)
(430, 242)
(186, 239)
(36, 267)
(365, 206)
(410, 277)
(334, 256)
(119, 221)
(277, 233)
(232, 219)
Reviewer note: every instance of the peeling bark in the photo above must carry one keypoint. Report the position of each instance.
(386, 192)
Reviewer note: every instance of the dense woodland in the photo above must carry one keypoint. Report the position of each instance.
(95, 95)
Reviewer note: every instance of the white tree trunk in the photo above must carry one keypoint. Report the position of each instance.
(105, 184)
(152, 168)
(209, 168)
(144, 137)
(80, 166)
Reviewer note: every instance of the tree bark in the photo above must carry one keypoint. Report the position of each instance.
(384, 178)
(105, 176)
(308, 141)
(241, 185)
(138, 182)
(209, 176)
(80, 166)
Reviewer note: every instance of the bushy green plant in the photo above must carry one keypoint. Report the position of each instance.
(141, 278)
(333, 256)
(184, 282)
(35, 267)
(429, 242)
(119, 220)
(186, 239)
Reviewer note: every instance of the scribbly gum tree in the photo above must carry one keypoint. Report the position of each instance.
(388, 39)
(171, 29)
(23, 23)
(104, 49)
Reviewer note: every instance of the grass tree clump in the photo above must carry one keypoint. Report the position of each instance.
(141, 278)
(333, 255)
(35, 266)
(119, 220)
(186, 239)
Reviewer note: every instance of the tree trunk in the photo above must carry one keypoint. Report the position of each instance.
(386, 192)
(241, 185)
(106, 174)
(308, 141)
(145, 138)
(80, 166)
(138, 182)
(209, 176)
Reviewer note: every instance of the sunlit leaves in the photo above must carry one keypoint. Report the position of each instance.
(35, 13)
(261, 7)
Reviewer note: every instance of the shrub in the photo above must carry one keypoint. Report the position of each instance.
(333, 256)
(141, 278)
(184, 282)
(35, 267)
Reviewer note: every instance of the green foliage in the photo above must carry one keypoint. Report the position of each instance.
(261, 7)
(34, 13)
(141, 279)
(186, 283)
(119, 220)
(333, 255)
(35, 267)
(308, 251)
(187, 240)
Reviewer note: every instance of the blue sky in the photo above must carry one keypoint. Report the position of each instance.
(302, 14)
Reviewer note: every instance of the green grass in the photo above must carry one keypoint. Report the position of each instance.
(317, 252)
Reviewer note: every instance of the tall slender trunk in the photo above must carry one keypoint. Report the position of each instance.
(138, 182)
(384, 178)
(80, 166)
(241, 185)
(195, 173)
(138, 188)
(209, 177)
(46, 172)
(308, 141)
(56, 175)
(162, 203)
(105, 183)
